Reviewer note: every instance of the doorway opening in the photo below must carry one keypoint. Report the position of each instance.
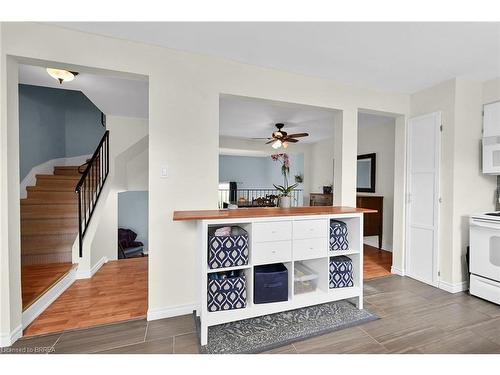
(254, 137)
(132, 224)
(375, 189)
(81, 141)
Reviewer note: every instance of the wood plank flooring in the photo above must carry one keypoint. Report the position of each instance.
(376, 263)
(415, 318)
(117, 292)
(36, 279)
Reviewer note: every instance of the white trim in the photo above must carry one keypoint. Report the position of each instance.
(169, 312)
(87, 274)
(397, 271)
(437, 189)
(40, 305)
(11, 337)
(48, 168)
(453, 288)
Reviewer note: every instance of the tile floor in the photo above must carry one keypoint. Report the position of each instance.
(415, 318)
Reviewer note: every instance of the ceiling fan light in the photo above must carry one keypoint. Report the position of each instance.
(285, 144)
(277, 144)
(61, 75)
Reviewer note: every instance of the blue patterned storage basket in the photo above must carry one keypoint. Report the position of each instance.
(227, 251)
(338, 236)
(341, 272)
(227, 294)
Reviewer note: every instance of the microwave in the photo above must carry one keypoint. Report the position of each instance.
(491, 155)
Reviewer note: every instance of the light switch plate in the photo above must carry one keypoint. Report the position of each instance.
(163, 172)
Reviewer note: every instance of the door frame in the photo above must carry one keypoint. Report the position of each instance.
(437, 188)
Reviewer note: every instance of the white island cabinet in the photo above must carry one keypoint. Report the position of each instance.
(288, 236)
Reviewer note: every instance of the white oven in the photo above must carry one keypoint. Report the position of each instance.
(485, 257)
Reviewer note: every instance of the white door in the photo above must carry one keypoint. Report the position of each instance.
(424, 138)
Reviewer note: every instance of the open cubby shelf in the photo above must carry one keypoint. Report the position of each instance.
(288, 240)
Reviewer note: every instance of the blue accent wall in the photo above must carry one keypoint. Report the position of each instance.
(133, 213)
(55, 123)
(253, 172)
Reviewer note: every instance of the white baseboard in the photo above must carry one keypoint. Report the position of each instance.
(39, 306)
(169, 312)
(453, 288)
(48, 168)
(87, 274)
(397, 271)
(10, 338)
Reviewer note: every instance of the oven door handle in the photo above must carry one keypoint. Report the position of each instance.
(485, 224)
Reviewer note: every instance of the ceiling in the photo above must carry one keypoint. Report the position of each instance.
(247, 118)
(254, 118)
(114, 96)
(394, 57)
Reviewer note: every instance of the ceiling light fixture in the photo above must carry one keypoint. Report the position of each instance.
(277, 144)
(285, 144)
(62, 75)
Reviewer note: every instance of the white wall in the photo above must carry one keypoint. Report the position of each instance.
(464, 190)
(184, 94)
(128, 170)
(473, 191)
(491, 91)
(321, 165)
(380, 139)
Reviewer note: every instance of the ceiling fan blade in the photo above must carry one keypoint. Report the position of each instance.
(298, 135)
(261, 138)
(271, 141)
(291, 140)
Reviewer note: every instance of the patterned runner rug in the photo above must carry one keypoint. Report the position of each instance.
(267, 332)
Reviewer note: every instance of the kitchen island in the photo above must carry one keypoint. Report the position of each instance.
(316, 239)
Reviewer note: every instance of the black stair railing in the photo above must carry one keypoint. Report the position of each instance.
(89, 188)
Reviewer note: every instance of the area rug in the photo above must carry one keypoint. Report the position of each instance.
(256, 335)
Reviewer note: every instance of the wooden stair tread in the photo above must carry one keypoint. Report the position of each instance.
(58, 177)
(61, 188)
(40, 211)
(29, 229)
(44, 201)
(47, 243)
(66, 167)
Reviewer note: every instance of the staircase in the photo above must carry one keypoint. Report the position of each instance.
(49, 218)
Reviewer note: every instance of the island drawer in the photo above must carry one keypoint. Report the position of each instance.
(272, 252)
(272, 231)
(310, 248)
(310, 229)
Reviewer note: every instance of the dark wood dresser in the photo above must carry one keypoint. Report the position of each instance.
(372, 221)
(318, 199)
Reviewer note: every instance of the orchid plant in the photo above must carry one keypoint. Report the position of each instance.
(284, 189)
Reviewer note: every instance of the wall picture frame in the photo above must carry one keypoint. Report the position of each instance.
(366, 173)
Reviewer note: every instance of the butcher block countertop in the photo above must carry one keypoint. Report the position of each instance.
(241, 213)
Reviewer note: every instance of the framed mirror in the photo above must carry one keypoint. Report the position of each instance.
(366, 173)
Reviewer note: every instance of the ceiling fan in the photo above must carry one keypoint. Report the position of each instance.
(282, 138)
